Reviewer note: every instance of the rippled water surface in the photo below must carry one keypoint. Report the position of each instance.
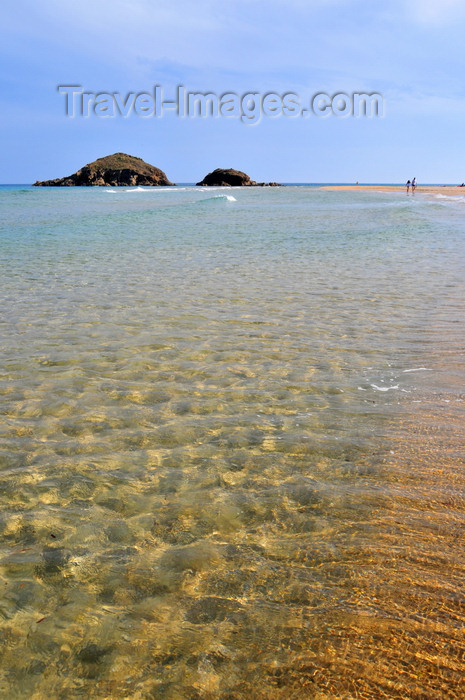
(231, 456)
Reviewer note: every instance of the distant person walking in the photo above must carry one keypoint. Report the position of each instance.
(414, 184)
(408, 184)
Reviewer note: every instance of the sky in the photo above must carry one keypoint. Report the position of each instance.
(409, 52)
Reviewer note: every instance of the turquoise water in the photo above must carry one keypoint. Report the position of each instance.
(231, 443)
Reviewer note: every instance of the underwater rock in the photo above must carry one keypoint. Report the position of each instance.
(92, 653)
(212, 609)
(55, 558)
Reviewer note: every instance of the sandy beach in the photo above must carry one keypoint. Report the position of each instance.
(448, 190)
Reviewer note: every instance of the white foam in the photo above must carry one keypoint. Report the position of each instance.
(451, 197)
(161, 189)
(212, 189)
(216, 197)
(419, 369)
(384, 388)
(228, 197)
(155, 189)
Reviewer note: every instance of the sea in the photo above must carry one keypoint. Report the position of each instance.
(231, 443)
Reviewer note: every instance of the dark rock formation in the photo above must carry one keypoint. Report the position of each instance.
(232, 178)
(226, 178)
(116, 170)
(92, 653)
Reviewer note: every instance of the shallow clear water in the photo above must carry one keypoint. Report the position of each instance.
(231, 444)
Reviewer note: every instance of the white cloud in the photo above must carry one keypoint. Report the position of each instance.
(436, 12)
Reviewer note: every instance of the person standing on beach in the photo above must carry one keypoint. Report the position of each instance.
(414, 184)
(408, 185)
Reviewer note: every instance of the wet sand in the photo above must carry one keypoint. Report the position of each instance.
(420, 189)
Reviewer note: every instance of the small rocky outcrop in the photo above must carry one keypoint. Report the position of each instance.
(231, 178)
(116, 170)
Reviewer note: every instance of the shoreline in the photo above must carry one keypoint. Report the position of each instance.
(447, 190)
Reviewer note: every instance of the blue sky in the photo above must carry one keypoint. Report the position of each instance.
(410, 51)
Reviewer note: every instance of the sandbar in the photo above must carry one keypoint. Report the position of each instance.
(448, 190)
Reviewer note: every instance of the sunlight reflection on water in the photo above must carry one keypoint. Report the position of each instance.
(220, 474)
